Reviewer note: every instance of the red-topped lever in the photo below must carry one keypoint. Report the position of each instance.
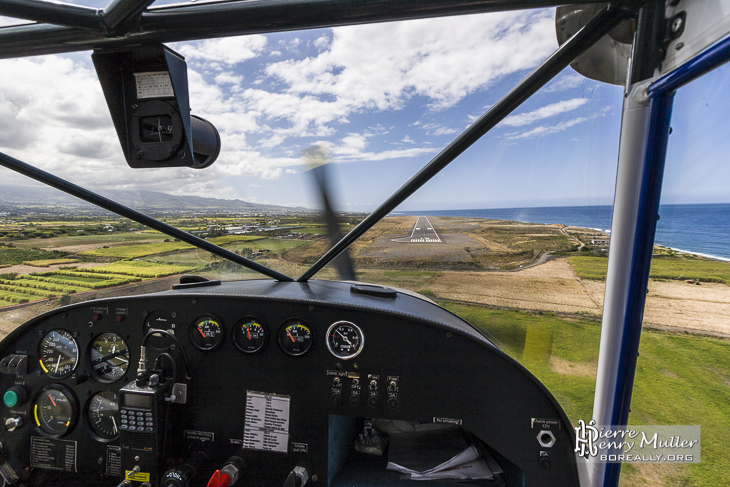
(228, 475)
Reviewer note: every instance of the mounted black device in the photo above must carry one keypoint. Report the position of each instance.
(146, 89)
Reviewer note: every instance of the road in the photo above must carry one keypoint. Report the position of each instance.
(423, 232)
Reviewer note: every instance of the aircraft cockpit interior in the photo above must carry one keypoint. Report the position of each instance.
(294, 381)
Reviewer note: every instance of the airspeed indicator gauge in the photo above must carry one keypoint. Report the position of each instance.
(345, 340)
(58, 354)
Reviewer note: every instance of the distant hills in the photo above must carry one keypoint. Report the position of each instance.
(152, 201)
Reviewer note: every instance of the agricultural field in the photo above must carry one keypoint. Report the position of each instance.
(18, 289)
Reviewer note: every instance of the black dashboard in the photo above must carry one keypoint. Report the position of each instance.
(278, 375)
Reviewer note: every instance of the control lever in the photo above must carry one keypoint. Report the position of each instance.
(182, 475)
(297, 477)
(228, 475)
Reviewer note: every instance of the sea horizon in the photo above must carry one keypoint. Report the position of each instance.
(695, 228)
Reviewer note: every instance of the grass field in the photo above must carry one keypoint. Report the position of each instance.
(680, 380)
(662, 267)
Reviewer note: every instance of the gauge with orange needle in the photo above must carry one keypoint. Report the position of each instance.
(206, 333)
(249, 335)
(55, 410)
(295, 337)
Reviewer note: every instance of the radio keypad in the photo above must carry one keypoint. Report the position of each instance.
(133, 420)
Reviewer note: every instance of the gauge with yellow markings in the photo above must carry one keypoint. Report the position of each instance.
(55, 411)
(58, 354)
(206, 333)
(295, 337)
(249, 335)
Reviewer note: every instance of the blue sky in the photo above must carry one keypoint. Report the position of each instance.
(382, 99)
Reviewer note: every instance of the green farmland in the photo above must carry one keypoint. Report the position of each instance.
(32, 287)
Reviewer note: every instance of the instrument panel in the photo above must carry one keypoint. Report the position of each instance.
(280, 375)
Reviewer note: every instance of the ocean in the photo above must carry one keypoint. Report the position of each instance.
(699, 229)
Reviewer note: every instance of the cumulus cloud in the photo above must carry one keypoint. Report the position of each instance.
(353, 147)
(229, 50)
(382, 66)
(544, 112)
(267, 107)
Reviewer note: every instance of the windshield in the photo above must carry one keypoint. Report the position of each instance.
(513, 236)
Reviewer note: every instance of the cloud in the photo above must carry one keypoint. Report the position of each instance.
(565, 82)
(543, 112)
(435, 128)
(549, 129)
(230, 50)
(228, 78)
(353, 147)
(381, 67)
(408, 140)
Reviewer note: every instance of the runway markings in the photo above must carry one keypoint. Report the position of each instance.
(423, 232)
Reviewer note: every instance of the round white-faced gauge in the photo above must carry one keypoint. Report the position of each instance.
(58, 354)
(345, 340)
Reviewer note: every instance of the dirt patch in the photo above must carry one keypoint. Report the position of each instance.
(669, 373)
(566, 367)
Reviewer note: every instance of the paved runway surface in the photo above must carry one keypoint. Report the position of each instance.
(423, 232)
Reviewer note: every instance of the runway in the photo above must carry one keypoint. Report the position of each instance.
(423, 232)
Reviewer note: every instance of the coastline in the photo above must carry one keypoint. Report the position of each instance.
(686, 229)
